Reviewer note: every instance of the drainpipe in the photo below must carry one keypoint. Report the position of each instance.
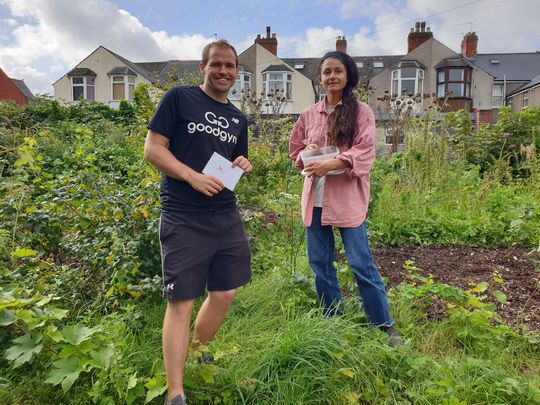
(504, 90)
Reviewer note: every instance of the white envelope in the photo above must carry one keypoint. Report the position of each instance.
(220, 167)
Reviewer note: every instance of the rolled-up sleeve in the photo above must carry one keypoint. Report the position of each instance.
(297, 142)
(361, 155)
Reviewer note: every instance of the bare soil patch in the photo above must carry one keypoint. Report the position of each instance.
(460, 266)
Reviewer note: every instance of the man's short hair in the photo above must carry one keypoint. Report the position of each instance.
(220, 44)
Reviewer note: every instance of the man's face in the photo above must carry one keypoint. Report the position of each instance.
(220, 71)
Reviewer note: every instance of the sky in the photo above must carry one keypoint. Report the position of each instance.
(41, 40)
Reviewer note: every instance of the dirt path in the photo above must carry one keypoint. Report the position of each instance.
(459, 266)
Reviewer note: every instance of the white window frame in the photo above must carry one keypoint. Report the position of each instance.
(85, 85)
(497, 98)
(526, 99)
(286, 83)
(241, 85)
(378, 64)
(396, 88)
(129, 86)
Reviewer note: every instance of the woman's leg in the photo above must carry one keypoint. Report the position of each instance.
(320, 249)
(367, 276)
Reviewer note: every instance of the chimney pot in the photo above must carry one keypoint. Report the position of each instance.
(341, 44)
(418, 35)
(469, 45)
(269, 42)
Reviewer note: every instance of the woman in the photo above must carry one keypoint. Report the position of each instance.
(340, 200)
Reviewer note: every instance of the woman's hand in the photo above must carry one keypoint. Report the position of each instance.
(312, 146)
(320, 168)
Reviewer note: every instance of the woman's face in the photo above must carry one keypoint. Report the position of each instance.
(333, 75)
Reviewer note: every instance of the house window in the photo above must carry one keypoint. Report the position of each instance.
(454, 81)
(378, 64)
(359, 65)
(497, 98)
(83, 88)
(242, 86)
(278, 84)
(525, 99)
(122, 87)
(407, 81)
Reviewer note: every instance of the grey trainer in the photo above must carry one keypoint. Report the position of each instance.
(177, 400)
(395, 340)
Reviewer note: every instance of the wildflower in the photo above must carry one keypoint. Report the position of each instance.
(506, 135)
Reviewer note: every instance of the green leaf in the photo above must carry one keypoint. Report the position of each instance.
(481, 287)
(475, 302)
(156, 387)
(500, 296)
(66, 372)
(58, 313)
(54, 334)
(25, 157)
(7, 317)
(134, 393)
(347, 372)
(132, 382)
(43, 301)
(77, 334)
(23, 350)
(102, 358)
(20, 253)
(207, 373)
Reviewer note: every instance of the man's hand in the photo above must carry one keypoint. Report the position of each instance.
(243, 164)
(203, 183)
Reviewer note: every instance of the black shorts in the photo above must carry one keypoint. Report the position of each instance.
(201, 251)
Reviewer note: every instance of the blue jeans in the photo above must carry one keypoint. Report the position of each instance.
(320, 249)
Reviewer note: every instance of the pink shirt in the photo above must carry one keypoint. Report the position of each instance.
(346, 196)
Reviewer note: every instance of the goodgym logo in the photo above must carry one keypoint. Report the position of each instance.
(215, 126)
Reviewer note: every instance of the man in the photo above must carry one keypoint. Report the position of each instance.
(203, 242)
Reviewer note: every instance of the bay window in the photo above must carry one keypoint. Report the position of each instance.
(122, 87)
(407, 79)
(454, 81)
(242, 86)
(277, 84)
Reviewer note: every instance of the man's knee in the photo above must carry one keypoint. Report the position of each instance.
(222, 297)
(180, 308)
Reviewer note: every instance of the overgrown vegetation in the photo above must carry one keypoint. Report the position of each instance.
(80, 301)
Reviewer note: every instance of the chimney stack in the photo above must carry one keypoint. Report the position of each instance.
(341, 44)
(418, 35)
(269, 43)
(469, 45)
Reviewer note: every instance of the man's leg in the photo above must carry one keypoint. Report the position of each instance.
(175, 343)
(211, 316)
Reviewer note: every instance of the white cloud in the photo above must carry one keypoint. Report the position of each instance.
(349, 9)
(45, 38)
(318, 41)
(63, 32)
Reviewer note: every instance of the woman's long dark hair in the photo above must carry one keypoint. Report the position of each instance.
(342, 122)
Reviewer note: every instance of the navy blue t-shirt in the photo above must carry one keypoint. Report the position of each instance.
(197, 126)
